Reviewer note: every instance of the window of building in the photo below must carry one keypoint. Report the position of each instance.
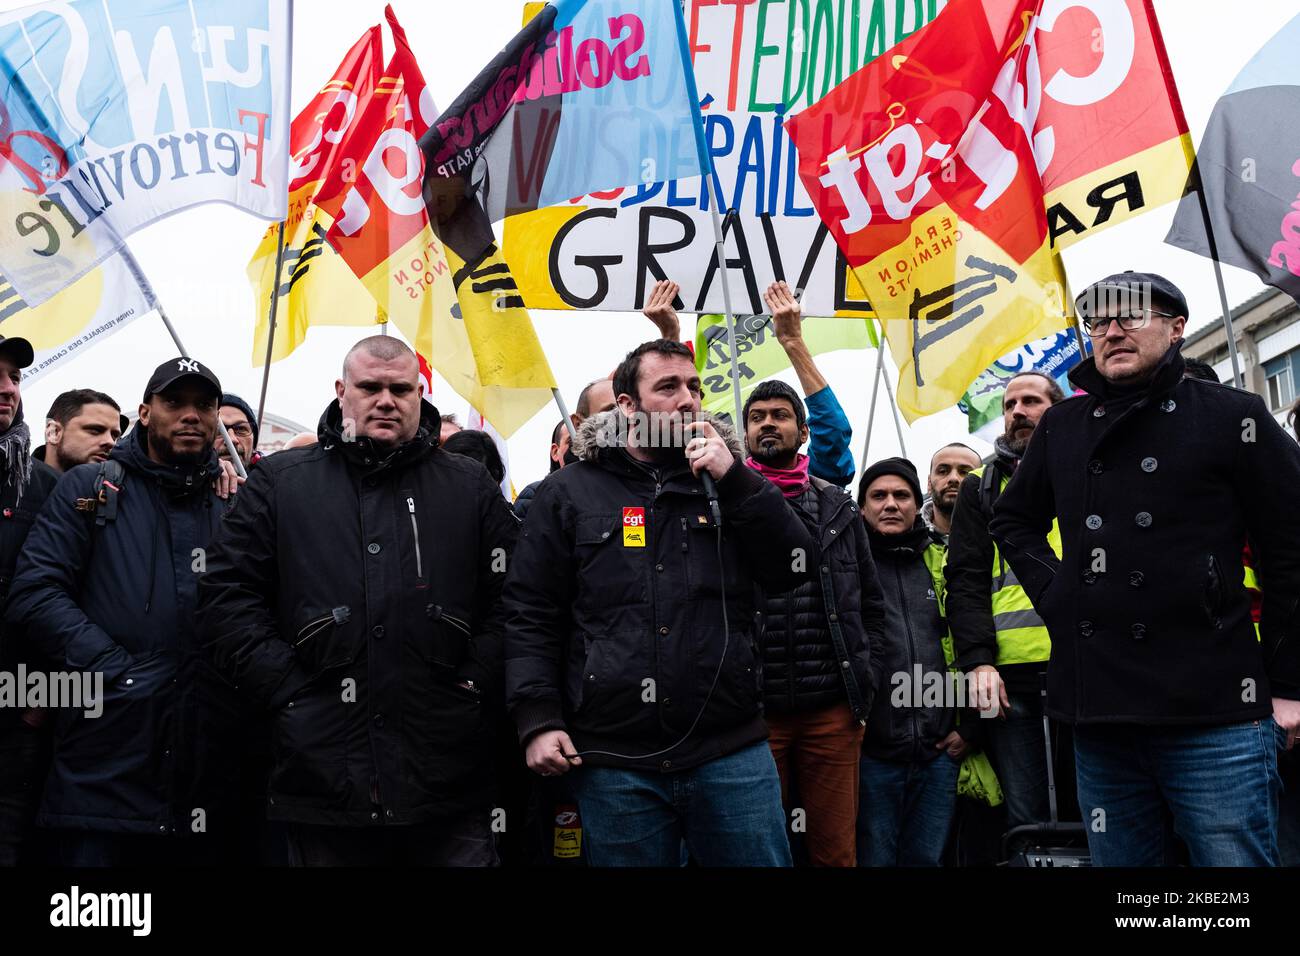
(1280, 381)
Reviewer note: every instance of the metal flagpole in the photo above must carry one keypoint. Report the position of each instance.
(1077, 325)
(875, 390)
(221, 428)
(720, 247)
(1237, 378)
(564, 413)
(889, 392)
(270, 334)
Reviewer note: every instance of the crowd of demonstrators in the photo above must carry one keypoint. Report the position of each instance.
(686, 644)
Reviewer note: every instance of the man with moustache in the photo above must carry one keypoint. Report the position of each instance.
(81, 426)
(996, 632)
(949, 466)
(106, 584)
(631, 664)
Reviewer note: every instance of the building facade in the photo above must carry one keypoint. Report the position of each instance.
(1268, 344)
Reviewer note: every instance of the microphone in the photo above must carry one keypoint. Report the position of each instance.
(711, 493)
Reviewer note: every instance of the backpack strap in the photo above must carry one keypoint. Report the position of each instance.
(108, 485)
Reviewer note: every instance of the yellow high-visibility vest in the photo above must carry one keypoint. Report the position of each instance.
(1022, 635)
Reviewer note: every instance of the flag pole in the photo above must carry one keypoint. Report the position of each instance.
(889, 393)
(1237, 378)
(221, 428)
(564, 413)
(721, 251)
(1069, 305)
(270, 334)
(705, 158)
(875, 390)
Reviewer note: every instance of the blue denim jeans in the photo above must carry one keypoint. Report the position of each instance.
(1219, 786)
(726, 812)
(1019, 756)
(905, 811)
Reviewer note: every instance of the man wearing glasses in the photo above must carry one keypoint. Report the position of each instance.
(238, 417)
(1157, 482)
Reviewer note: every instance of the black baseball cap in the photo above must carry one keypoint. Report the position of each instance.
(18, 349)
(1164, 295)
(174, 370)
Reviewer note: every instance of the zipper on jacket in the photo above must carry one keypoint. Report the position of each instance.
(415, 531)
(914, 658)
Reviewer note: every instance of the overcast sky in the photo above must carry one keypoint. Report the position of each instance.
(196, 260)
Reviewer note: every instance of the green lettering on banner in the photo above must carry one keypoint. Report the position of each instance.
(761, 50)
(793, 53)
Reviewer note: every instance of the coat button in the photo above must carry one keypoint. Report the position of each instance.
(1093, 522)
(1089, 577)
(379, 720)
(378, 631)
(591, 677)
(389, 814)
(834, 617)
(373, 547)
(1168, 405)
(668, 701)
(1095, 467)
(1099, 411)
(374, 816)
(659, 568)
(1135, 579)
(1143, 519)
(844, 664)
(1085, 628)
(1149, 465)
(664, 631)
(1139, 631)
(832, 531)
(667, 765)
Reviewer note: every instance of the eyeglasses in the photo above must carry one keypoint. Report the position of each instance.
(243, 429)
(1129, 321)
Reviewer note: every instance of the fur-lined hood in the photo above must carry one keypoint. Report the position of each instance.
(602, 431)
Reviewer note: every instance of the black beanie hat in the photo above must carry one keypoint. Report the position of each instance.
(890, 466)
(234, 401)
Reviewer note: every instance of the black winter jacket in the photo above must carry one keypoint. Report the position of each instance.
(17, 515)
(969, 574)
(1164, 485)
(803, 659)
(615, 626)
(902, 727)
(119, 600)
(356, 595)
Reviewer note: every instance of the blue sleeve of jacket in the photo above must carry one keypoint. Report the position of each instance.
(43, 598)
(829, 434)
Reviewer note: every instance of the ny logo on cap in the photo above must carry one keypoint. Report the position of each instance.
(187, 365)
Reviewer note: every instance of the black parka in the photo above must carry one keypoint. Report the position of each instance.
(119, 600)
(617, 637)
(1157, 490)
(355, 594)
(804, 661)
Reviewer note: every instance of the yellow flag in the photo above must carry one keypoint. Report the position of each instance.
(316, 286)
(952, 303)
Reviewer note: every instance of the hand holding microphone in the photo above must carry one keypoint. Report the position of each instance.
(710, 460)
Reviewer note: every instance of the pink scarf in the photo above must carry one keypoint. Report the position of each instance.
(792, 481)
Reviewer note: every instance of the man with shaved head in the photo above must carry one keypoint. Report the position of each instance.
(374, 638)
